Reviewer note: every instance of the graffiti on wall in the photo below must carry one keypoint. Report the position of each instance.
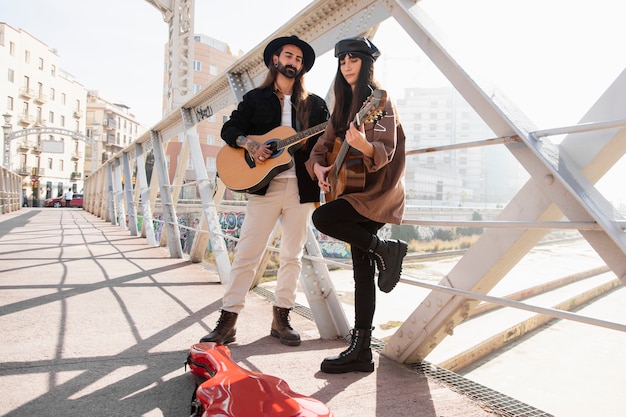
(230, 222)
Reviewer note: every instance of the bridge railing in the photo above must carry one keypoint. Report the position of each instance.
(10, 191)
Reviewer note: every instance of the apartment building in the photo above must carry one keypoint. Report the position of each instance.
(111, 128)
(43, 115)
(211, 58)
(434, 117)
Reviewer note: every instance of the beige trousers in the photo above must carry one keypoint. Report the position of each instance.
(282, 202)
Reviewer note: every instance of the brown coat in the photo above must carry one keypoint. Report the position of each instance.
(382, 200)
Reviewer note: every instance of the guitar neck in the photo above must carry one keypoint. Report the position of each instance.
(300, 136)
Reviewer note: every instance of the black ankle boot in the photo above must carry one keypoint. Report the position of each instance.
(281, 328)
(358, 357)
(388, 255)
(225, 329)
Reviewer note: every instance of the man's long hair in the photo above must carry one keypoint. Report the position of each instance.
(299, 94)
(346, 106)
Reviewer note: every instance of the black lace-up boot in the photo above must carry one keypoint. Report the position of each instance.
(281, 328)
(225, 329)
(358, 356)
(388, 255)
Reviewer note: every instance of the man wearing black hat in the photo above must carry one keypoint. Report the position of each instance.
(281, 100)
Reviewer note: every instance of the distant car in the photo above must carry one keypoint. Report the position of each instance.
(77, 201)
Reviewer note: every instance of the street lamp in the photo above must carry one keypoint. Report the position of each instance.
(6, 129)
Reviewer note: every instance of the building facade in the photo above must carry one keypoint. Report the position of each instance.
(211, 58)
(44, 117)
(434, 117)
(111, 128)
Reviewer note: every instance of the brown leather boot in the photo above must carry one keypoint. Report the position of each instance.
(225, 329)
(281, 328)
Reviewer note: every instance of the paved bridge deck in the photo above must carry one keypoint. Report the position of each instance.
(95, 322)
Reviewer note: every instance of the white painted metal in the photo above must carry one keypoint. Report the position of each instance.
(118, 188)
(170, 228)
(205, 189)
(142, 183)
(110, 195)
(320, 293)
(131, 209)
(555, 180)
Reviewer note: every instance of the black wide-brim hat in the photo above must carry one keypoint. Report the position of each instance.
(308, 54)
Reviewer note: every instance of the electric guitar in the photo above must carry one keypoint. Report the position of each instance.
(239, 172)
(348, 173)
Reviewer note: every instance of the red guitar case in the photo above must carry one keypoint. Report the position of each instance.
(229, 390)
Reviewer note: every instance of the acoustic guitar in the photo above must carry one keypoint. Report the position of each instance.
(348, 173)
(239, 172)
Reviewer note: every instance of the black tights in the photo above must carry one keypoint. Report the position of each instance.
(340, 220)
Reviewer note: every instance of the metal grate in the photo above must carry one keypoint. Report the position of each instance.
(491, 400)
(497, 402)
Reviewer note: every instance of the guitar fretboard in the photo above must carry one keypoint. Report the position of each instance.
(301, 135)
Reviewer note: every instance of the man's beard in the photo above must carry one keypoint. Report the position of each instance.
(288, 71)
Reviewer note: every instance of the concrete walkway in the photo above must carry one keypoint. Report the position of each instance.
(96, 323)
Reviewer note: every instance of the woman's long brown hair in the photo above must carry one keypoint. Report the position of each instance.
(346, 106)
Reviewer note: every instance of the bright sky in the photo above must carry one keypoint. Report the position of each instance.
(552, 58)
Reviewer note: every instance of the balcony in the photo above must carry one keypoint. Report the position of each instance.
(40, 122)
(78, 114)
(23, 146)
(40, 98)
(109, 123)
(27, 93)
(26, 119)
(24, 171)
(75, 176)
(76, 156)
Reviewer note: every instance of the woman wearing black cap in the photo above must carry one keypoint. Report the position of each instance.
(281, 100)
(375, 171)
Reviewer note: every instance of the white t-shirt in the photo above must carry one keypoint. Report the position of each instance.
(286, 121)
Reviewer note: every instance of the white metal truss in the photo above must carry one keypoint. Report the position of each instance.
(561, 187)
(178, 14)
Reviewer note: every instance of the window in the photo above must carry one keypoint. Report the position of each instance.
(196, 88)
(213, 69)
(63, 98)
(9, 103)
(211, 166)
(27, 56)
(40, 64)
(197, 66)
(53, 70)
(49, 163)
(52, 94)
(61, 164)
(12, 48)
(26, 83)
(11, 76)
(210, 139)
(77, 105)
(51, 117)
(62, 121)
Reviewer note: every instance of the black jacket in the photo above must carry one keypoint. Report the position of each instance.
(258, 113)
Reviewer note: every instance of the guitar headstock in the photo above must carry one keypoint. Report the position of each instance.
(372, 109)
